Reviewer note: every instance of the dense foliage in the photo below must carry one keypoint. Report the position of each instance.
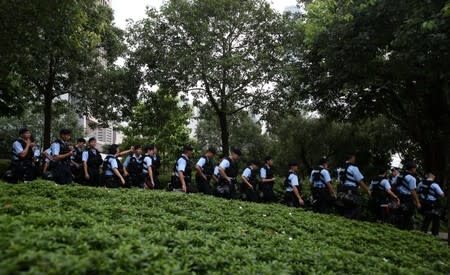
(70, 229)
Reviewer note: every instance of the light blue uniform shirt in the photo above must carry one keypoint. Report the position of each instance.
(148, 161)
(293, 181)
(112, 165)
(409, 181)
(354, 176)
(85, 155)
(384, 183)
(324, 176)
(435, 190)
(181, 165)
(247, 173)
(17, 149)
(217, 171)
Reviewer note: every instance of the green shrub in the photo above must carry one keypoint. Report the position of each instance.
(4, 165)
(45, 228)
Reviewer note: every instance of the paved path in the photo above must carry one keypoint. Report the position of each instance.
(443, 235)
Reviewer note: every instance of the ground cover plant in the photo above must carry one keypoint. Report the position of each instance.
(52, 229)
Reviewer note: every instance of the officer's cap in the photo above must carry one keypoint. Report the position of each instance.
(137, 146)
(91, 139)
(293, 163)
(267, 158)
(237, 151)
(255, 162)
(23, 131)
(187, 148)
(212, 150)
(65, 131)
(410, 165)
(81, 140)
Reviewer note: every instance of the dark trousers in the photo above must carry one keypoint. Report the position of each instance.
(266, 192)
(322, 200)
(430, 215)
(291, 200)
(22, 171)
(352, 204)
(78, 175)
(94, 177)
(405, 213)
(249, 194)
(158, 184)
(112, 182)
(225, 189)
(62, 174)
(203, 185)
(136, 180)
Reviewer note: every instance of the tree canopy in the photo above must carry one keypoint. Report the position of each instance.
(223, 51)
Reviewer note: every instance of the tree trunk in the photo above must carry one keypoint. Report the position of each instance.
(225, 135)
(47, 119)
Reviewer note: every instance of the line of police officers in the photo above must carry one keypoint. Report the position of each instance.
(400, 192)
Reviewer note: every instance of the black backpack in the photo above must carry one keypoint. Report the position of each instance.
(425, 189)
(135, 166)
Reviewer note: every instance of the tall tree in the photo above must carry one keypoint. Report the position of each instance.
(245, 133)
(161, 118)
(52, 47)
(364, 58)
(221, 51)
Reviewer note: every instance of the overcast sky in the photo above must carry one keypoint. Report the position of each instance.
(135, 9)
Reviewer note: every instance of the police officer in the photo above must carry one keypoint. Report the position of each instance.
(92, 161)
(393, 176)
(156, 166)
(61, 153)
(37, 158)
(149, 180)
(77, 161)
(182, 171)
(380, 189)
(429, 193)
(22, 159)
(46, 174)
(216, 173)
(204, 173)
(228, 169)
(293, 195)
(322, 190)
(112, 168)
(267, 181)
(249, 182)
(351, 179)
(409, 200)
(133, 166)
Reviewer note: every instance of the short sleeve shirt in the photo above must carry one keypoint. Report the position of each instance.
(293, 181)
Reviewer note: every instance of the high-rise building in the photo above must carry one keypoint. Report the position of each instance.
(106, 3)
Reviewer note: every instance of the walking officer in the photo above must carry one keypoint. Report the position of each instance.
(381, 191)
(293, 195)
(228, 169)
(77, 161)
(92, 161)
(322, 190)
(61, 153)
(429, 193)
(351, 179)
(147, 164)
(182, 171)
(22, 160)
(267, 181)
(249, 182)
(204, 168)
(112, 168)
(133, 168)
(406, 187)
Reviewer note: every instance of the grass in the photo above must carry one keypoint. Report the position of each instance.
(52, 229)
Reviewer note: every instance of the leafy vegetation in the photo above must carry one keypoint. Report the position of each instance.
(71, 229)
